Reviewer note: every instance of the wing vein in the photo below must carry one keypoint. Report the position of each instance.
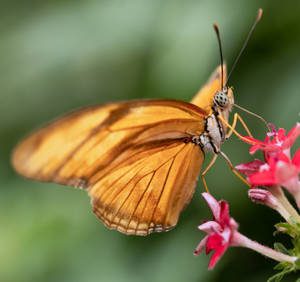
(119, 164)
(139, 201)
(163, 187)
(152, 190)
(151, 125)
(125, 200)
(120, 190)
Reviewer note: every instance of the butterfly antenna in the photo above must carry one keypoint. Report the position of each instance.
(221, 52)
(259, 14)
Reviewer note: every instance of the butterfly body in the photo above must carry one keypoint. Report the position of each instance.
(213, 136)
(214, 131)
(139, 161)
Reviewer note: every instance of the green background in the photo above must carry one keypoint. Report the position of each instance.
(59, 55)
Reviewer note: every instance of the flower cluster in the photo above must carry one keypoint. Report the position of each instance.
(278, 169)
(222, 232)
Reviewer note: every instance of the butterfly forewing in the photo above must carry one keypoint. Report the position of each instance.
(130, 156)
(204, 97)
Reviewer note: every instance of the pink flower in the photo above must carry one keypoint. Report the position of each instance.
(219, 231)
(274, 142)
(278, 170)
(278, 167)
(222, 233)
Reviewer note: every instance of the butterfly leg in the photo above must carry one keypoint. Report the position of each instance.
(206, 170)
(237, 117)
(233, 169)
(234, 131)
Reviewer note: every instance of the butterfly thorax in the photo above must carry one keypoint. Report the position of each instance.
(214, 131)
(213, 136)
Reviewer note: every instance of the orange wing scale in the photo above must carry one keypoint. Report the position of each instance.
(131, 157)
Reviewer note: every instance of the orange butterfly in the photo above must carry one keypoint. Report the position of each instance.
(139, 160)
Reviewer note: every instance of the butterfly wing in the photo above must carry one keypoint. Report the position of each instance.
(131, 157)
(204, 97)
(147, 191)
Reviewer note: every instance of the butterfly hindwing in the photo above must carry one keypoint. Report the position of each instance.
(148, 191)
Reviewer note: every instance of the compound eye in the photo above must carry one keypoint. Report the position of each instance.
(221, 99)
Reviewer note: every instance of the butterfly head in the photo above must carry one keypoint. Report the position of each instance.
(223, 99)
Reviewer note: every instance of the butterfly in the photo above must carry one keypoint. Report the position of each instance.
(139, 160)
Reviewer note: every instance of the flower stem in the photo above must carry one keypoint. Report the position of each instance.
(242, 241)
(297, 195)
(277, 192)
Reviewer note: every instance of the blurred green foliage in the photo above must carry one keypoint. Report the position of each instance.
(59, 55)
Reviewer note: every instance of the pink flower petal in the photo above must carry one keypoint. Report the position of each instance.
(292, 136)
(263, 178)
(201, 246)
(254, 148)
(272, 148)
(296, 159)
(281, 134)
(214, 242)
(226, 234)
(213, 205)
(210, 227)
(216, 256)
(273, 128)
(224, 214)
(285, 172)
(282, 157)
(233, 224)
(249, 168)
(293, 186)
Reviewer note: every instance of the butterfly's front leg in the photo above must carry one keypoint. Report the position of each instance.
(236, 117)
